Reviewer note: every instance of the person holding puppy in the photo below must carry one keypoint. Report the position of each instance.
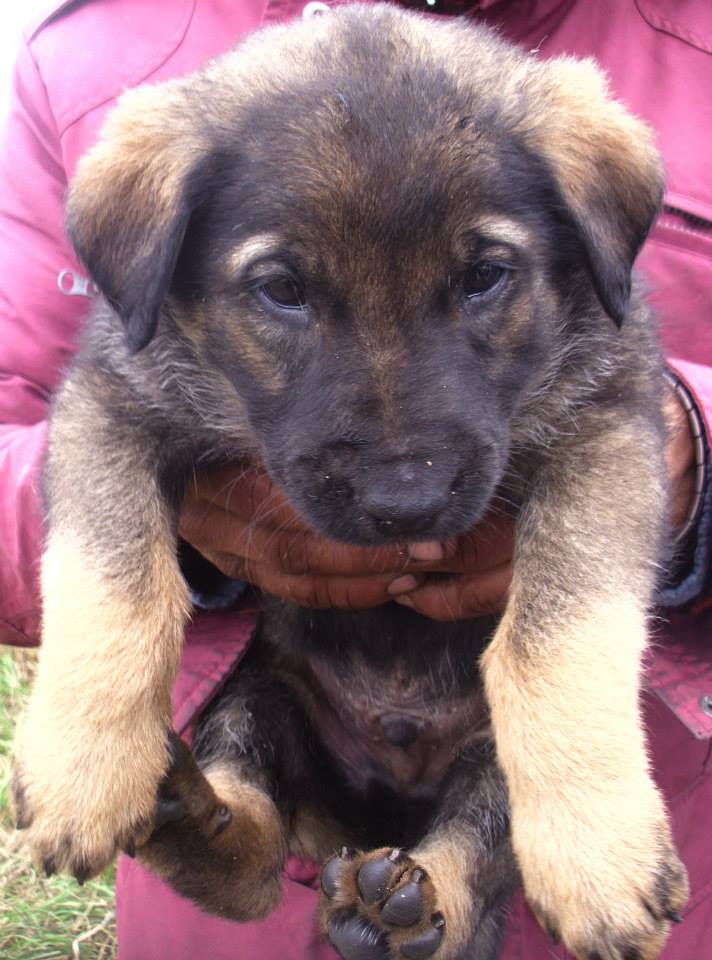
(237, 519)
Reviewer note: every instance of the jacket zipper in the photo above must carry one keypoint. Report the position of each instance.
(693, 221)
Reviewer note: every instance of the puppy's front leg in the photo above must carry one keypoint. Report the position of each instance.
(92, 746)
(562, 678)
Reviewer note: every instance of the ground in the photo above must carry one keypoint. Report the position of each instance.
(42, 919)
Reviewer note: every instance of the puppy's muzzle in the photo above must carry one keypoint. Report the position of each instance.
(406, 499)
(352, 492)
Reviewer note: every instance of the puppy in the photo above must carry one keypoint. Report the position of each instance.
(430, 235)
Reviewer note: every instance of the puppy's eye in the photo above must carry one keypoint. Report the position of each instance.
(284, 292)
(481, 278)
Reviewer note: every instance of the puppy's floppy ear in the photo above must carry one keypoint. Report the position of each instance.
(131, 200)
(607, 168)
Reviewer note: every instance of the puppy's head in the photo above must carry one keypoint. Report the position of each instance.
(379, 231)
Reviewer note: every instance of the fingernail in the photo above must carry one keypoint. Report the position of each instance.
(426, 551)
(405, 602)
(402, 584)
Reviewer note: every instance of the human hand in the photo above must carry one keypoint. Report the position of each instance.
(476, 590)
(680, 459)
(240, 521)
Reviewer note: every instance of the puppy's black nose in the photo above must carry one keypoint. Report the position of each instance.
(406, 511)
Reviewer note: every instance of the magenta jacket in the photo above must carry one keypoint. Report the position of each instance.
(73, 65)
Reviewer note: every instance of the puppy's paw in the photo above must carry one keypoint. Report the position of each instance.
(608, 887)
(77, 800)
(216, 839)
(382, 905)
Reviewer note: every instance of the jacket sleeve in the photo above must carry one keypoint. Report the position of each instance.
(38, 326)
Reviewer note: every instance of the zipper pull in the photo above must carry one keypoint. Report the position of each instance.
(72, 284)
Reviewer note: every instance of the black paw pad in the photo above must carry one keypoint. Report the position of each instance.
(354, 938)
(375, 876)
(404, 907)
(427, 943)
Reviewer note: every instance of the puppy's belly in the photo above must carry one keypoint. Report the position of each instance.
(392, 734)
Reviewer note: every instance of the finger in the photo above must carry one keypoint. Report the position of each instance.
(303, 552)
(213, 531)
(486, 547)
(461, 597)
(682, 498)
(247, 493)
(680, 459)
(322, 592)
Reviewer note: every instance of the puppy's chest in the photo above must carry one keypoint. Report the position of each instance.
(389, 728)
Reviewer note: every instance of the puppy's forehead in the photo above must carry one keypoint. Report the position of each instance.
(368, 123)
(364, 89)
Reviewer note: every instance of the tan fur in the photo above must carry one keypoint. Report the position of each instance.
(577, 111)
(504, 230)
(90, 765)
(255, 815)
(258, 358)
(154, 152)
(257, 834)
(242, 852)
(448, 864)
(256, 248)
(589, 860)
(562, 679)
(313, 837)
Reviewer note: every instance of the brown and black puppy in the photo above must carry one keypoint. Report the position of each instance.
(390, 259)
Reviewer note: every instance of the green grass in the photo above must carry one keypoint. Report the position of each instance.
(42, 919)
